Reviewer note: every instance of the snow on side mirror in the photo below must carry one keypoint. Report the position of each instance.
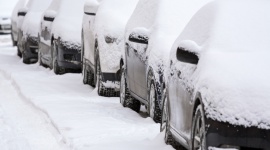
(49, 15)
(188, 52)
(22, 11)
(139, 35)
(91, 8)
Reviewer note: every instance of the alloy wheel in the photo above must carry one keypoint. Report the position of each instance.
(198, 131)
(152, 99)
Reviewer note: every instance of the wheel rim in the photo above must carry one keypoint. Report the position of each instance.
(152, 101)
(199, 131)
(122, 89)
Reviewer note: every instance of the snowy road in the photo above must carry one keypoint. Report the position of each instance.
(41, 110)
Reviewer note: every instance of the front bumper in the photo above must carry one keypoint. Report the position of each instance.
(221, 134)
(69, 58)
(111, 80)
(5, 28)
(31, 48)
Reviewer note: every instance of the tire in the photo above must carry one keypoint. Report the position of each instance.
(19, 52)
(198, 125)
(165, 123)
(125, 98)
(88, 77)
(56, 68)
(39, 59)
(154, 110)
(102, 90)
(25, 59)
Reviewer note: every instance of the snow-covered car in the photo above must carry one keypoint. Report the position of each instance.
(5, 15)
(14, 28)
(103, 40)
(150, 33)
(29, 19)
(218, 86)
(60, 36)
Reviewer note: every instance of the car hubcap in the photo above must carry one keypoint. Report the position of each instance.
(122, 89)
(199, 138)
(152, 102)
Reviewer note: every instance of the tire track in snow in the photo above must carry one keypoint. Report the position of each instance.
(22, 125)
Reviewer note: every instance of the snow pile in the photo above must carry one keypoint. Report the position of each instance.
(232, 74)
(111, 19)
(68, 22)
(163, 23)
(31, 22)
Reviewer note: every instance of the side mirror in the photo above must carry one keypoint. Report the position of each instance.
(91, 8)
(188, 52)
(139, 35)
(22, 12)
(49, 15)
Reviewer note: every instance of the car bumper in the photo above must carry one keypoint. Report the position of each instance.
(31, 48)
(69, 58)
(224, 134)
(111, 80)
(5, 28)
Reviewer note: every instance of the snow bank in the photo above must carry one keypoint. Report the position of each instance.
(232, 74)
(111, 19)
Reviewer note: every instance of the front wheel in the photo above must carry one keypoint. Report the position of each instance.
(153, 109)
(102, 90)
(125, 98)
(198, 130)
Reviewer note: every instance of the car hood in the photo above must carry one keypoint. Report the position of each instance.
(235, 87)
(31, 23)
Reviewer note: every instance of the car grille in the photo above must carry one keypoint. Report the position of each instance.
(70, 57)
(5, 27)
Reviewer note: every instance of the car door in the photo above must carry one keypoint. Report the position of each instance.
(182, 99)
(45, 39)
(139, 43)
(130, 55)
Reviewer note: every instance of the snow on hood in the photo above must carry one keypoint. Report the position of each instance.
(112, 17)
(68, 21)
(232, 75)
(31, 22)
(110, 21)
(165, 22)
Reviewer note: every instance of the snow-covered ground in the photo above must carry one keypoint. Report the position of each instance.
(40, 110)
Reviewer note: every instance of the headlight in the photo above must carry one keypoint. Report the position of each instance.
(109, 39)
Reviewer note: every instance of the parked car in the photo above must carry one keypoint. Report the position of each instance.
(103, 40)
(218, 85)
(29, 19)
(5, 15)
(150, 33)
(14, 18)
(60, 36)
